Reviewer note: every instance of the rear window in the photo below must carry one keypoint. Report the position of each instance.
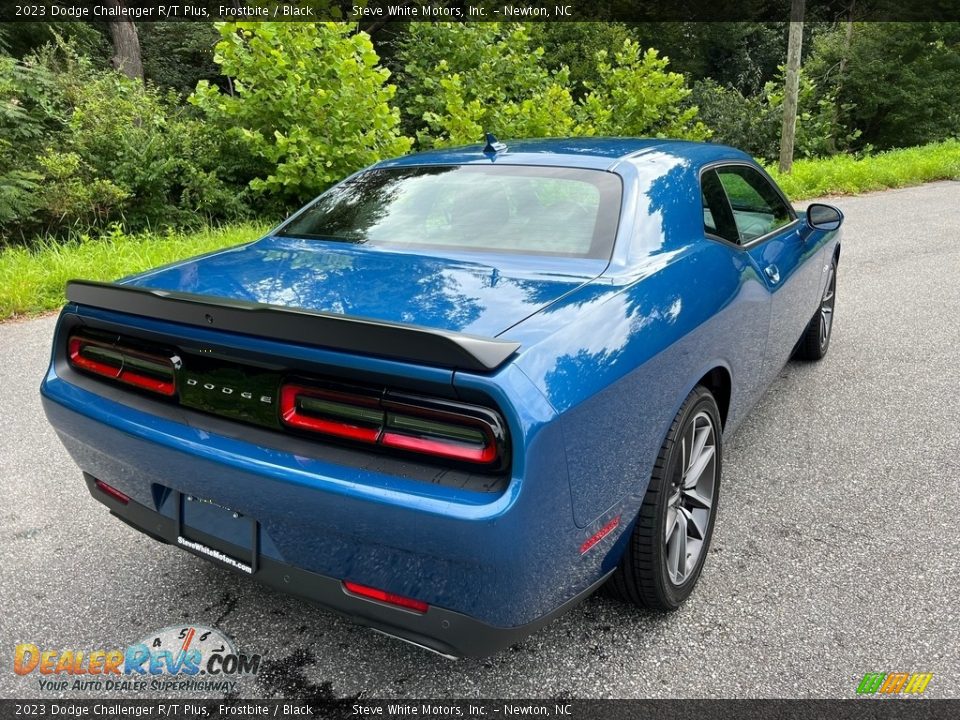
(517, 209)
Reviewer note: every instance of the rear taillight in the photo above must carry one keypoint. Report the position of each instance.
(124, 362)
(426, 426)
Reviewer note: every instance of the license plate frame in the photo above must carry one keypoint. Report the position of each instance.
(212, 546)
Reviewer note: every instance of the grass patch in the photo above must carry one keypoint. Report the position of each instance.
(32, 280)
(847, 175)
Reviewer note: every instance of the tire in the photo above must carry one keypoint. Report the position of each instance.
(816, 338)
(649, 574)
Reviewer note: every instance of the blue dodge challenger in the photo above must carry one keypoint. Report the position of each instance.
(460, 390)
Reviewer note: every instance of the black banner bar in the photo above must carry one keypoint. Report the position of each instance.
(386, 11)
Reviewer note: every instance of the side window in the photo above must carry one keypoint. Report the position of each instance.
(717, 217)
(757, 207)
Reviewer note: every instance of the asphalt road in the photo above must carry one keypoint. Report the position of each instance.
(837, 551)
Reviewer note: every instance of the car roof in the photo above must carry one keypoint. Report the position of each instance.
(598, 153)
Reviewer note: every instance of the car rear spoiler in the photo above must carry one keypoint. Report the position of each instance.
(306, 327)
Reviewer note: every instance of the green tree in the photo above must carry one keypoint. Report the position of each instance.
(743, 55)
(310, 102)
(80, 146)
(23, 124)
(637, 95)
(575, 45)
(899, 80)
(461, 80)
(753, 123)
(23, 39)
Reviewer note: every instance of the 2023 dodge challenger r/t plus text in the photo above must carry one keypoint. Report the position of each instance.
(461, 389)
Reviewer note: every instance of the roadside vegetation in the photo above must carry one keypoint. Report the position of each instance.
(849, 175)
(111, 165)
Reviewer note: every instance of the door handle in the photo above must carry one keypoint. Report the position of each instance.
(773, 273)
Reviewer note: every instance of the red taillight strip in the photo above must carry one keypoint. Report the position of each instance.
(486, 454)
(75, 353)
(292, 416)
(75, 348)
(600, 534)
(329, 427)
(385, 597)
(163, 387)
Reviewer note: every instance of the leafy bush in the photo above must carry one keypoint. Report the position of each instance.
(737, 120)
(30, 111)
(460, 80)
(310, 103)
(162, 159)
(85, 147)
(71, 193)
(575, 45)
(637, 95)
(753, 123)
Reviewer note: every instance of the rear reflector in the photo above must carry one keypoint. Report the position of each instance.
(123, 363)
(600, 535)
(426, 426)
(112, 492)
(385, 597)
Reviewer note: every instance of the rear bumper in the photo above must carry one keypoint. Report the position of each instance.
(446, 632)
(492, 566)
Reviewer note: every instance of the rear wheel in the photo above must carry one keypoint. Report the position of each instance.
(816, 338)
(672, 534)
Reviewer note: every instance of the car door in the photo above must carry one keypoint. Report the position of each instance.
(758, 219)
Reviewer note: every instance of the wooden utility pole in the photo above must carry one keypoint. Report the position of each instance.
(126, 45)
(789, 131)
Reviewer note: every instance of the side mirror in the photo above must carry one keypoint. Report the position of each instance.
(824, 217)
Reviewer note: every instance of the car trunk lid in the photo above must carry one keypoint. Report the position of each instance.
(480, 295)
